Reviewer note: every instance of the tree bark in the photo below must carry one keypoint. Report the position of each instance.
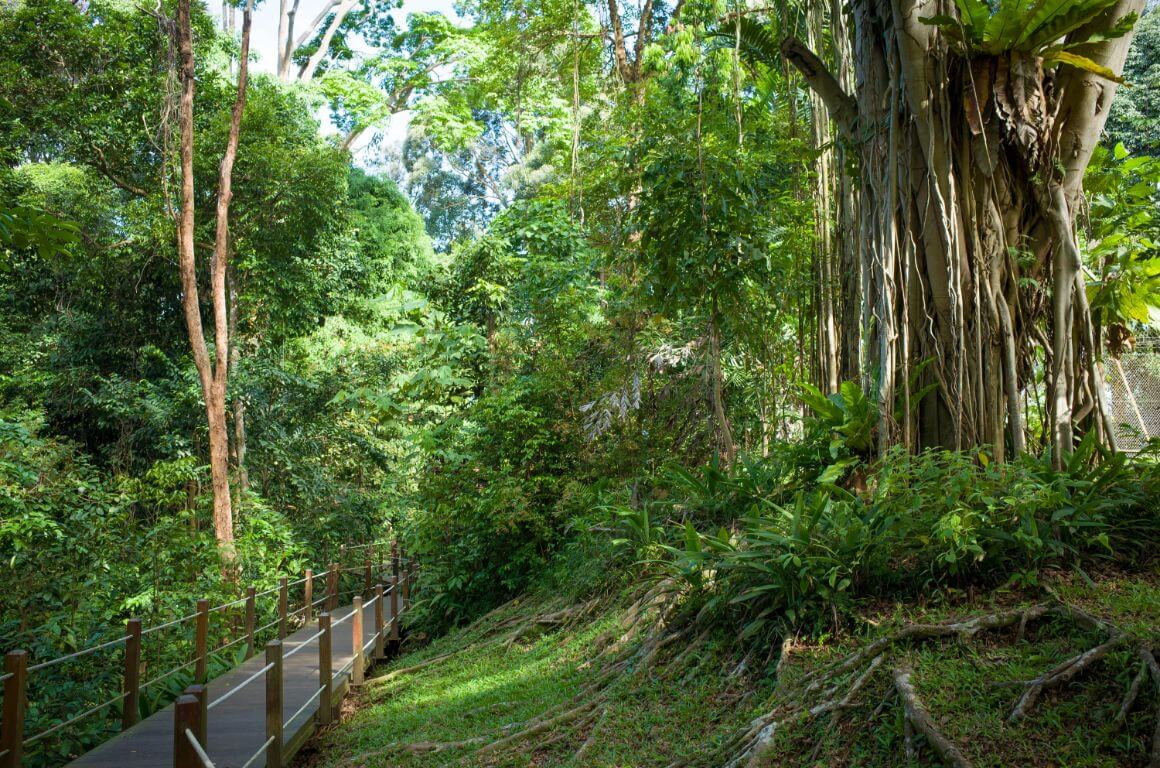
(213, 375)
(964, 216)
(306, 73)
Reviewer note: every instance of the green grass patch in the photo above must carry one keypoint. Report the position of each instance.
(684, 708)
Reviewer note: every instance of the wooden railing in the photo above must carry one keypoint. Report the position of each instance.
(191, 707)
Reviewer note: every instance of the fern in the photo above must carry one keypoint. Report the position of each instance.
(1034, 27)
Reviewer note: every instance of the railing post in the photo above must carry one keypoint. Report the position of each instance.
(274, 704)
(324, 702)
(379, 624)
(201, 641)
(395, 612)
(367, 582)
(406, 587)
(251, 610)
(132, 678)
(283, 607)
(395, 559)
(186, 714)
(12, 725)
(308, 597)
(332, 588)
(201, 693)
(356, 630)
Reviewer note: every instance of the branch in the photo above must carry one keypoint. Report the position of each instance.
(642, 36)
(618, 41)
(102, 165)
(225, 196)
(185, 223)
(675, 17)
(309, 68)
(310, 30)
(842, 107)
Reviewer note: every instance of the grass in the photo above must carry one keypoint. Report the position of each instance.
(487, 685)
(684, 708)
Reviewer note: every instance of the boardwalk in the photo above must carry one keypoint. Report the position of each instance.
(236, 729)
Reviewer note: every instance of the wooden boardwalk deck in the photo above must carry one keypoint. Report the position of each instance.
(236, 726)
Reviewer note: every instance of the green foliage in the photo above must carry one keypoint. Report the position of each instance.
(1032, 27)
(1135, 115)
(83, 551)
(1123, 239)
(934, 522)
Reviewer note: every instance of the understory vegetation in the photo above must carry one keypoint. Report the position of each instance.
(622, 677)
(755, 384)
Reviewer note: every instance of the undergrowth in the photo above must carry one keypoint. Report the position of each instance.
(628, 680)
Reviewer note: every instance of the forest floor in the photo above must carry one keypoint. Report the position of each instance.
(536, 683)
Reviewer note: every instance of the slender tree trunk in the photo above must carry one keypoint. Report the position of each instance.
(306, 73)
(825, 223)
(213, 375)
(715, 384)
(242, 479)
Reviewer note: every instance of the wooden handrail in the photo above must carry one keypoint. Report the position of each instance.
(17, 669)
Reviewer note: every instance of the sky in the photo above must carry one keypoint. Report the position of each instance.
(264, 37)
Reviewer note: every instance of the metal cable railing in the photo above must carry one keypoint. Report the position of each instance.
(168, 624)
(170, 673)
(201, 755)
(76, 654)
(258, 754)
(304, 707)
(226, 696)
(75, 719)
(14, 678)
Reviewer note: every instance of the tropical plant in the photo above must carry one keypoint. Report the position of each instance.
(1038, 28)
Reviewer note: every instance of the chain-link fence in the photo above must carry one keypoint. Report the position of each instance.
(1134, 393)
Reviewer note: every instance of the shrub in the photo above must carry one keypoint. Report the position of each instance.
(927, 523)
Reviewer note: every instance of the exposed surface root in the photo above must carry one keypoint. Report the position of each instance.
(378, 679)
(542, 726)
(834, 689)
(592, 734)
(1065, 671)
(1132, 694)
(551, 620)
(920, 720)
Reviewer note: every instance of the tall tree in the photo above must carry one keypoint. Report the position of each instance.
(214, 374)
(974, 127)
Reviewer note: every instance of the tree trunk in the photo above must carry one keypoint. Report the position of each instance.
(715, 386)
(213, 375)
(242, 479)
(970, 176)
(306, 73)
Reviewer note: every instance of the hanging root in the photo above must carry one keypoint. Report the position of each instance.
(920, 720)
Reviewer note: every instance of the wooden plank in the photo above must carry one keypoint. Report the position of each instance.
(236, 728)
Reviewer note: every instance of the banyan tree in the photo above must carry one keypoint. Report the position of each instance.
(969, 125)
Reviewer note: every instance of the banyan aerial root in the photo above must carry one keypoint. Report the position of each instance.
(837, 688)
